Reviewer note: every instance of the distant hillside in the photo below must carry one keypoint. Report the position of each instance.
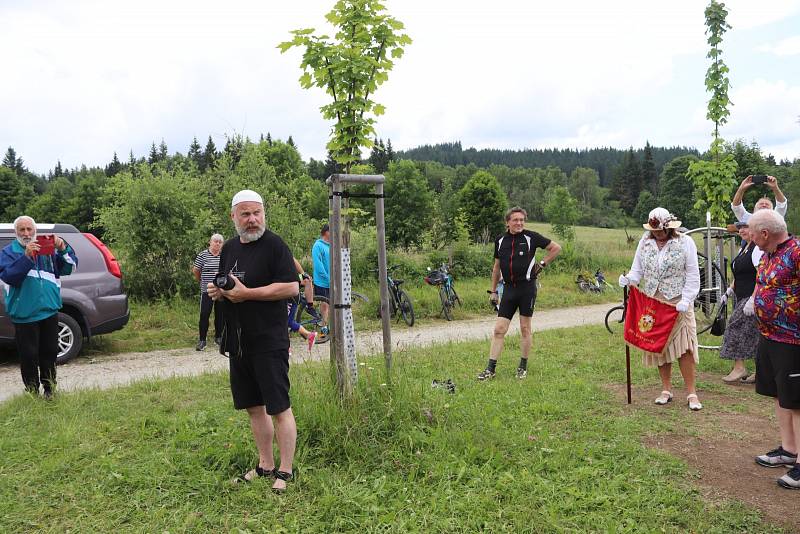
(603, 160)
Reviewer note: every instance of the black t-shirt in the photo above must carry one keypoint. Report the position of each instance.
(516, 253)
(257, 326)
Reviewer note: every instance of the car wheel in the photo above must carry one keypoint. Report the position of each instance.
(70, 338)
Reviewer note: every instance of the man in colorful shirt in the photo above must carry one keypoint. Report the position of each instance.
(776, 303)
(33, 301)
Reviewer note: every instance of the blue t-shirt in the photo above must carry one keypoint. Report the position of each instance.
(321, 254)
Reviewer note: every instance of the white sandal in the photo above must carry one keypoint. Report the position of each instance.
(664, 398)
(694, 405)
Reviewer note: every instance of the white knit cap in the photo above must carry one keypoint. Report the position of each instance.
(246, 195)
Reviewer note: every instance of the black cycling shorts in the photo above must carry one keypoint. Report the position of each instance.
(778, 372)
(521, 297)
(261, 380)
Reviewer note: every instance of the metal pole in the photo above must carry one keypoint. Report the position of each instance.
(384, 282)
(709, 264)
(627, 347)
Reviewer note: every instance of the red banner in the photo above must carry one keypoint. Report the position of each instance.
(648, 322)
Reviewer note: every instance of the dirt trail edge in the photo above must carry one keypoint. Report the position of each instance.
(122, 369)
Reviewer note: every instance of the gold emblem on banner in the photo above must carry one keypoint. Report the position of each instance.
(646, 322)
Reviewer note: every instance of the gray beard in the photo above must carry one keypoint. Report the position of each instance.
(249, 237)
(25, 240)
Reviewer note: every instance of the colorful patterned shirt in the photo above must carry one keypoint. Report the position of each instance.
(777, 296)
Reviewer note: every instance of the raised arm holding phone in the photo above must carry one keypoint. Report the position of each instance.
(742, 215)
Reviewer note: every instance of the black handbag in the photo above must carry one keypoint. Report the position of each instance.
(718, 326)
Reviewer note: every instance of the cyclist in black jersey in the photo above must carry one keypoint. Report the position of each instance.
(514, 259)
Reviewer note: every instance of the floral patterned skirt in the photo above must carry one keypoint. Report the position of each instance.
(741, 335)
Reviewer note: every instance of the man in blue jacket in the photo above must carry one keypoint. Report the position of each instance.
(321, 254)
(32, 301)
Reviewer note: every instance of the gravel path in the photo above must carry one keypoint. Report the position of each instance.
(122, 369)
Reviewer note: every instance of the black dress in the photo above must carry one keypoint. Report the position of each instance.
(741, 333)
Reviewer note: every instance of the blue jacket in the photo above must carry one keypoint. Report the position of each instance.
(34, 287)
(321, 254)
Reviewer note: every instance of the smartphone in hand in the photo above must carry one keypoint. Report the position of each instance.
(759, 179)
(47, 244)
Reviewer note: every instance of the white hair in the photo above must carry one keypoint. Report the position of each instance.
(217, 237)
(23, 218)
(769, 220)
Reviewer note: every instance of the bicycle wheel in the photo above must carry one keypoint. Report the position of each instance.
(615, 317)
(706, 304)
(406, 309)
(455, 298)
(446, 305)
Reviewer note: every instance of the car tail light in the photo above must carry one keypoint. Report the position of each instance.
(111, 262)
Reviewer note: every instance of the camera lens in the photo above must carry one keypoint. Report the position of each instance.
(224, 281)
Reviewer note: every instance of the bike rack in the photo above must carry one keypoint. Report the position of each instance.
(343, 352)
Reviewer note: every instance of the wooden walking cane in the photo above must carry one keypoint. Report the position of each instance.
(627, 347)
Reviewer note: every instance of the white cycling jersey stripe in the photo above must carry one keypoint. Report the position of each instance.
(795, 375)
(68, 259)
(44, 275)
(533, 259)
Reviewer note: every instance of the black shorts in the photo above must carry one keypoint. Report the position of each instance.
(521, 297)
(778, 372)
(320, 291)
(261, 380)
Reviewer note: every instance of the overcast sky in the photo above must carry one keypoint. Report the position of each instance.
(87, 78)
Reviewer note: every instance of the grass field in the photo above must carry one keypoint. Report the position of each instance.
(553, 453)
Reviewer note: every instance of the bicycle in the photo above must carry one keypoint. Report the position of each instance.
(447, 293)
(585, 285)
(309, 316)
(706, 304)
(398, 299)
(598, 285)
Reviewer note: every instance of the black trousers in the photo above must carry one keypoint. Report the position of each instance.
(37, 345)
(206, 305)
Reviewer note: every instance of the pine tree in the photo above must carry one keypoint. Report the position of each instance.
(153, 158)
(269, 139)
(627, 182)
(290, 142)
(13, 162)
(195, 153)
(390, 154)
(58, 171)
(114, 167)
(210, 155)
(331, 166)
(162, 151)
(378, 158)
(234, 147)
(649, 174)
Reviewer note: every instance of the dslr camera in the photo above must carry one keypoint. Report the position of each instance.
(224, 281)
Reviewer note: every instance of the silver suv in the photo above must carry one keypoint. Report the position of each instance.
(94, 301)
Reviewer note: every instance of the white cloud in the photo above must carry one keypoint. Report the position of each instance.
(785, 47)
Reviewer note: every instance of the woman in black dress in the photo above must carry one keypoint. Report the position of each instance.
(741, 333)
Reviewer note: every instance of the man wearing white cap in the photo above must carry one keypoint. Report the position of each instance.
(257, 275)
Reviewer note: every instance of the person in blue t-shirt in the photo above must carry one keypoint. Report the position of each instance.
(321, 254)
(33, 301)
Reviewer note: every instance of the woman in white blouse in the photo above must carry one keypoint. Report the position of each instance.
(666, 264)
